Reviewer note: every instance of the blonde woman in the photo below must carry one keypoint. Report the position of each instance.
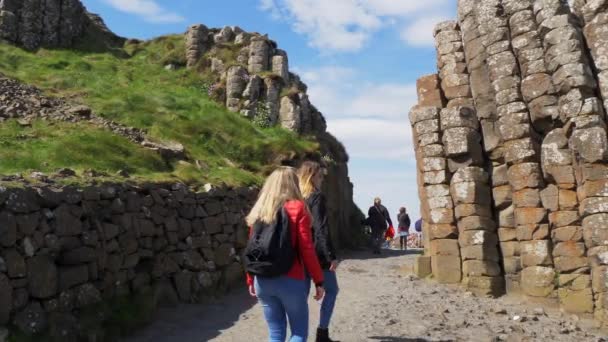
(276, 270)
(311, 178)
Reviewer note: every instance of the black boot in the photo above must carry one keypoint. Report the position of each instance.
(323, 335)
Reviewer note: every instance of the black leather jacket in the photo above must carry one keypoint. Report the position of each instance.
(320, 229)
(378, 218)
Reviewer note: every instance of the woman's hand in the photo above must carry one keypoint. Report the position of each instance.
(334, 266)
(320, 293)
(252, 291)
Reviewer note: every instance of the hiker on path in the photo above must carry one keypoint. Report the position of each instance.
(311, 176)
(378, 218)
(404, 227)
(279, 255)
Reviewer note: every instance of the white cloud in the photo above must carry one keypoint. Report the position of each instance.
(347, 25)
(147, 9)
(420, 31)
(369, 118)
(374, 138)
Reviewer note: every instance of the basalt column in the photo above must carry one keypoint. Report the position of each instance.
(479, 45)
(594, 15)
(438, 208)
(582, 116)
(471, 194)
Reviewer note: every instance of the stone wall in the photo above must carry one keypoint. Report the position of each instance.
(514, 122)
(63, 249)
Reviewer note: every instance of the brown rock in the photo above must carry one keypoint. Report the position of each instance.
(525, 216)
(570, 264)
(464, 210)
(479, 253)
(569, 249)
(502, 196)
(526, 198)
(569, 233)
(510, 249)
(576, 301)
(538, 281)
(442, 231)
(476, 223)
(536, 253)
(525, 175)
(533, 232)
(444, 247)
(507, 234)
(563, 218)
(480, 268)
(446, 269)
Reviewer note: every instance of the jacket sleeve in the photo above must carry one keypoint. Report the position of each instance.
(323, 243)
(408, 222)
(306, 247)
(387, 216)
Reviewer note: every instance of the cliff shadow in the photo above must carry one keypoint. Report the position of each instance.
(196, 322)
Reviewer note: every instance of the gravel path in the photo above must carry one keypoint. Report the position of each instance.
(381, 301)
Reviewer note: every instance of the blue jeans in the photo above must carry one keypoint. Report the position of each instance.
(283, 299)
(330, 284)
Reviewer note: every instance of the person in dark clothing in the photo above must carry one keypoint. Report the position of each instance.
(378, 217)
(404, 227)
(311, 176)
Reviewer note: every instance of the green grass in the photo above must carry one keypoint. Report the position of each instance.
(133, 88)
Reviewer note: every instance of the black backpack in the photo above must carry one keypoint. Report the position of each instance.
(269, 252)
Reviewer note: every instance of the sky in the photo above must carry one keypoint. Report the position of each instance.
(359, 58)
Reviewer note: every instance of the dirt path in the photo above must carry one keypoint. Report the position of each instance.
(381, 301)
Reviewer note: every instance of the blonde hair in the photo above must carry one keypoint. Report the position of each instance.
(281, 186)
(306, 174)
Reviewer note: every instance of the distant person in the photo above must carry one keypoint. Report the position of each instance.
(404, 227)
(378, 218)
(279, 255)
(311, 176)
(418, 228)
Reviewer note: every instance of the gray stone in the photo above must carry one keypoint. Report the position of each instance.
(6, 299)
(31, 320)
(42, 277)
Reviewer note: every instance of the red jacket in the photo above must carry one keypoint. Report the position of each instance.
(306, 262)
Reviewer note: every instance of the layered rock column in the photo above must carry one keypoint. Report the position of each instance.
(438, 208)
(594, 15)
(536, 84)
(582, 115)
(471, 195)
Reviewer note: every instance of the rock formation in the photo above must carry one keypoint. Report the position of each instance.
(259, 85)
(50, 23)
(513, 125)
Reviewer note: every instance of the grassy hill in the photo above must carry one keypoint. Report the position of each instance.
(132, 86)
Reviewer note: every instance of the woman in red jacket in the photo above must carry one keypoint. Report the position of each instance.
(285, 297)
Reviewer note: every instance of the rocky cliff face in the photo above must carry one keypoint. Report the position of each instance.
(49, 23)
(511, 145)
(255, 81)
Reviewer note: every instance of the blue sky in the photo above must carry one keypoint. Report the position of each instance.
(360, 59)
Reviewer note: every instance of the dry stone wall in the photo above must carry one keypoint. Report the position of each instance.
(514, 122)
(65, 249)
